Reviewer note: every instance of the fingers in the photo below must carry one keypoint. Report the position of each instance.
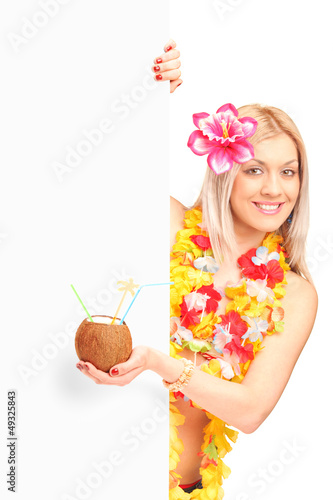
(174, 84)
(160, 68)
(135, 362)
(166, 66)
(91, 372)
(174, 74)
(127, 371)
(168, 56)
(171, 44)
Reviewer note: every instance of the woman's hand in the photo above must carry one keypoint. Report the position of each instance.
(122, 373)
(166, 66)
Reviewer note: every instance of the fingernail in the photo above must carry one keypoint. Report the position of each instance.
(158, 60)
(159, 77)
(114, 371)
(168, 48)
(156, 69)
(86, 367)
(79, 367)
(179, 84)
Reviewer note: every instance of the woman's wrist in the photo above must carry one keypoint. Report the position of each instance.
(164, 365)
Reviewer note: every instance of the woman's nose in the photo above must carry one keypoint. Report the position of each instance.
(271, 185)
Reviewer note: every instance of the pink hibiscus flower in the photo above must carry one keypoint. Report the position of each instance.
(223, 137)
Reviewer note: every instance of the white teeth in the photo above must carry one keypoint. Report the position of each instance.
(268, 207)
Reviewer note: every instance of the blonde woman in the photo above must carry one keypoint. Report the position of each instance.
(243, 303)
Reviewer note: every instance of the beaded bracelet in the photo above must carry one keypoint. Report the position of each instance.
(184, 377)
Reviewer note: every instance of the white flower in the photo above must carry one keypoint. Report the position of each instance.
(207, 264)
(196, 300)
(262, 256)
(179, 333)
(259, 289)
(256, 327)
(221, 337)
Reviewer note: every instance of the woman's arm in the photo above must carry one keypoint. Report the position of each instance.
(246, 405)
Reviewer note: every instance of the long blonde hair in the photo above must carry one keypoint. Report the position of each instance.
(214, 198)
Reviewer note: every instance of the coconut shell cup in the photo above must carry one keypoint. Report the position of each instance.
(103, 345)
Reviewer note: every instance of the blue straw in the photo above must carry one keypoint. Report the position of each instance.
(136, 294)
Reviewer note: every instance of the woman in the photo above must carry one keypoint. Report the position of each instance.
(242, 302)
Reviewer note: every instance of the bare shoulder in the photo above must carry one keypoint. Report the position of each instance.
(300, 288)
(177, 214)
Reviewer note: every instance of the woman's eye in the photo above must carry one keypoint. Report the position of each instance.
(289, 172)
(254, 171)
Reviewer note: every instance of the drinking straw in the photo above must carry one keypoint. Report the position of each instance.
(128, 287)
(84, 307)
(117, 311)
(136, 294)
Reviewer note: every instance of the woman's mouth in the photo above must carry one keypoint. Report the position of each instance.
(268, 207)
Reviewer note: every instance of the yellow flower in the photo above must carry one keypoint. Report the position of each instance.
(271, 241)
(233, 291)
(193, 217)
(205, 328)
(279, 292)
(176, 418)
(239, 304)
(198, 278)
(212, 368)
(282, 261)
(179, 494)
(174, 349)
(256, 309)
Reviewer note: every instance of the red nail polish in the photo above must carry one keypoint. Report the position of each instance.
(158, 60)
(159, 77)
(79, 367)
(86, 367)
(168, 48)
(114, 371)
(156, 69)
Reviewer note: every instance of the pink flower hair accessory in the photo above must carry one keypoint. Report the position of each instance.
(223, 137)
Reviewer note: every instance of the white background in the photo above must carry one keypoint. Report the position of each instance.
(106, 221)
(274, 53)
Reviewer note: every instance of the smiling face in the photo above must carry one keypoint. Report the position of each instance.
(266, 188)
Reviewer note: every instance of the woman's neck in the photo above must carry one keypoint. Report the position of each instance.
(247, 238)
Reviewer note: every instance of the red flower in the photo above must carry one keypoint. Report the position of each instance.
(245, 260)
(189, 317)
(255, 272)
(237, 326)
(243, 352)
(275, 273)
(212, 304)
(178, 395)
(202, 242)
(249, 269)
(272, 270)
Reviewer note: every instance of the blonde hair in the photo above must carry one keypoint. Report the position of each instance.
(214, 198)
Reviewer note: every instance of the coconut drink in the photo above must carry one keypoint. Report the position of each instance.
(103, 342)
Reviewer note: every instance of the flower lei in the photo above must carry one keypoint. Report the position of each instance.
(229, 342)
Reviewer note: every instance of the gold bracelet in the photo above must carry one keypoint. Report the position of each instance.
(183, 379)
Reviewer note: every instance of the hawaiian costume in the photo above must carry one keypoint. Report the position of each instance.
(229, 342)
